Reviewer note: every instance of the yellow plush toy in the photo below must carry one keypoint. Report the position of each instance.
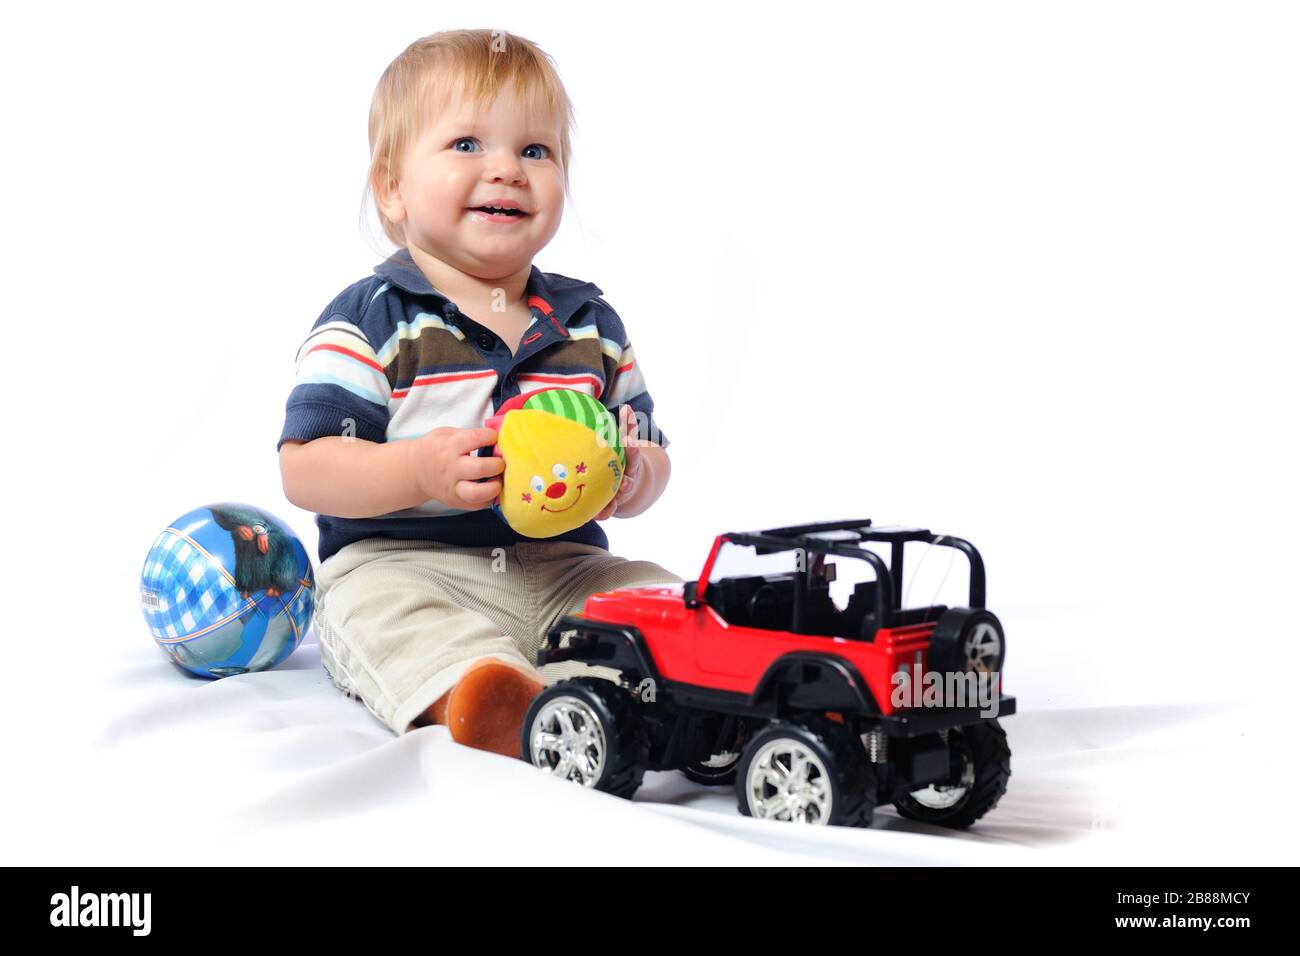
(564, 460)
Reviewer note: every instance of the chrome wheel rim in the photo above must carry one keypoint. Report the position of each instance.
(982, 648)
(720, 761)
(948, 795)
(788, 781)
(567, 741)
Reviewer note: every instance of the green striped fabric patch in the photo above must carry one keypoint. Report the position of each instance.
(580, 408)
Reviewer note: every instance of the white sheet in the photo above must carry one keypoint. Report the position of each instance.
(279, 767)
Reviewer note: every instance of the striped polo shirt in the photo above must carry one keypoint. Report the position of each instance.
(392, 358)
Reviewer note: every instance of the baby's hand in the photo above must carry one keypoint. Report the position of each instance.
(632, 464)
(444, 466)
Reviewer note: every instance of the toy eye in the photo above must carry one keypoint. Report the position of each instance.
(559, 471)
(538, 485)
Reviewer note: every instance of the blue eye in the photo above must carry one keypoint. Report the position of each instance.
(455, 145)
(559, 471)
(538, 485)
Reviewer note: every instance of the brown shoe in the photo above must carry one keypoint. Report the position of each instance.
(485, 710)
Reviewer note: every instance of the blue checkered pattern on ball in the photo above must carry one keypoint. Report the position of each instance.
(184, 590)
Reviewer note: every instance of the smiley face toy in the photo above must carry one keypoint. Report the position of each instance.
(564, 460)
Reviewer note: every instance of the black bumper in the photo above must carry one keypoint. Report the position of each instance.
(913, 723)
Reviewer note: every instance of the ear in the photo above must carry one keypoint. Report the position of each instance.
(388, 195)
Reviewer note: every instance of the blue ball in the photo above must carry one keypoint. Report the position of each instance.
(227, 589)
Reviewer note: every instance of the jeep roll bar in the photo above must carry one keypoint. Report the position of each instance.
(839, 538)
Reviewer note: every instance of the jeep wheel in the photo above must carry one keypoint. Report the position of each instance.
(718, 771)
(968, 640)
(585, 730)
(808, 770)
(981, 767)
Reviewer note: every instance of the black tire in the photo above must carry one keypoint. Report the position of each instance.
(979, 750)
(849, 778)
(611, 711)
(719, 770)
(713, 775)
(951, 649)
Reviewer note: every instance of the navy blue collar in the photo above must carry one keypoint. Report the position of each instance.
(563, 296)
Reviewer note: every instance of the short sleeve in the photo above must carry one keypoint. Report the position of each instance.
(627, 385)
(339, 386)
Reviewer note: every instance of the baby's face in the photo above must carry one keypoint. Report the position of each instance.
(459, 164)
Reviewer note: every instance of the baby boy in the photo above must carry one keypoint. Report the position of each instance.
(431, 609)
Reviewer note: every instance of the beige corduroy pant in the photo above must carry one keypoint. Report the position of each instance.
(398, 622)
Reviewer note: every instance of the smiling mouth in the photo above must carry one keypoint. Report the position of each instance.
(569, 505)
(497, 211)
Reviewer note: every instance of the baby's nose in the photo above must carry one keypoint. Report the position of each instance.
(557, 490)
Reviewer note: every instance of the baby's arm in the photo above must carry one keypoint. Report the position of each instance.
(646, 477)
(655, 470)
(353, 478)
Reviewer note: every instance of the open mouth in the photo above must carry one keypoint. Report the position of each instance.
(569, 505)
(498, 211)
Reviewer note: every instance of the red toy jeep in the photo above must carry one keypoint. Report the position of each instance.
(800, 678)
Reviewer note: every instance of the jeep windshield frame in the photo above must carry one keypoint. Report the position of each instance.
(843, 538)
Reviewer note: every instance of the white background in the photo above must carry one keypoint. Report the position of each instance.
(1021, 272)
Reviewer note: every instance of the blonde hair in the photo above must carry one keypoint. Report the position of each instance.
(431, 71)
